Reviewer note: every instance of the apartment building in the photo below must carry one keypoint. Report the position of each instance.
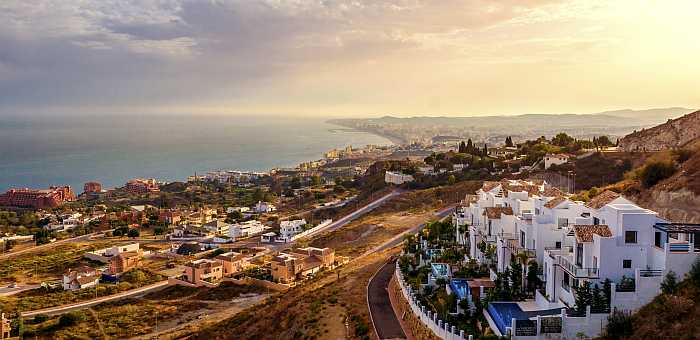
(37, 199)
(574, 242)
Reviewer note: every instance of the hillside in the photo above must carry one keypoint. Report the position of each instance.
(676, 198)
(675, 133)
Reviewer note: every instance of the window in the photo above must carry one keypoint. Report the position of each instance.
(557, 245)
(630, 237)
(626, 263)
(579, 254)
(595, 262)
(522, 239)
(657, 239)
(562, 222)
(596, 221)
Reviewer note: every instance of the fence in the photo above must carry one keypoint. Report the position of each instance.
(305, 233)
(441, 329)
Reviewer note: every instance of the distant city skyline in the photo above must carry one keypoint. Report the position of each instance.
(363, 58)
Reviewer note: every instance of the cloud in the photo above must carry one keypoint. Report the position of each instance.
(167, 53)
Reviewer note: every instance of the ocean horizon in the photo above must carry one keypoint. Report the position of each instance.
(40, 151)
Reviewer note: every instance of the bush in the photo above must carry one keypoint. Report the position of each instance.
(682, 155)
(670, 283)
(134, 276)
(133, 233)
(39, 318)
(694, 273)
(619, 325)
(656, 172)
(70, 319)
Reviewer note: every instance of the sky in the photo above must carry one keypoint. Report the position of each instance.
(347, 58)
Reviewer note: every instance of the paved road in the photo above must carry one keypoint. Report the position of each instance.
(384, 320)
(50, 245)
(7, 291)
(85, 304)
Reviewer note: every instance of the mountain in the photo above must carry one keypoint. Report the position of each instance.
(650, 116)
(675, 133)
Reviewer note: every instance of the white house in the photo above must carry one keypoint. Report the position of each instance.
(397, 178)
(555, 159)
(264, 207)
(239, 209)
(218, 227)
(246, 229)
(291, 228)
(106, 254)
(79, 278)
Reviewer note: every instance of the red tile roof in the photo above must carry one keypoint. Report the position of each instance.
(602, 199)
(553, 203)
(495, 212)
(584, 233)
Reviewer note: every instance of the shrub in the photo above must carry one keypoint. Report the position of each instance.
(670, 283)
(656, 172)
(619, 325)
(682, 155)
(70, 319)
(694, 273)
(39, 318)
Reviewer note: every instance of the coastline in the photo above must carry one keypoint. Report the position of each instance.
(394, 139)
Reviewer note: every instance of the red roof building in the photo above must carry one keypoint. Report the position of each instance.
(37, 199)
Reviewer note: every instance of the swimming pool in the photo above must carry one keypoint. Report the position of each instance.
(503, 314)
(460, 287)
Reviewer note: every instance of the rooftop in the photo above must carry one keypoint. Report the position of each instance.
(584, 233)
(602, 199)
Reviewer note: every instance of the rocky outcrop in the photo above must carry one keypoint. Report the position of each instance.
(673, 134)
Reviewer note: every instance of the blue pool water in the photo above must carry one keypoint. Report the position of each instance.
(460, 287)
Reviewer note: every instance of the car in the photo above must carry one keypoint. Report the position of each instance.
(12, 285)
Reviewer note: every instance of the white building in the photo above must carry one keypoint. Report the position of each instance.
(239, 209)
(552, 159)
(264, 207)
(218, 227)
(397, 178)
(79, 278)
(291, 228)
(246, 229)
(104, 255)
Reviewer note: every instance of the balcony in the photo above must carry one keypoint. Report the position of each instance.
(576, 271)
(516, 249)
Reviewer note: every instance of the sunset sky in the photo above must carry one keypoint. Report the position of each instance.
(347, 58)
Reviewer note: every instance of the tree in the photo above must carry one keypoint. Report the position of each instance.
(562, 139)
(42, 236)
(607, 293)
(134, 276)
(656, 172)
(694, 273)
(234, 216)
(134, 233)
(516, 278)
(533, 281)
(9, 244)
(598, 304)
(670, 283)
(70, 319)
(485, 151)
(451, 180)
(462, 147)
(509, 142)
(619, 325)
(159, 231)
(583, 297)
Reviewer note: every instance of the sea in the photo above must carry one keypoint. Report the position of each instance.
(39, 151)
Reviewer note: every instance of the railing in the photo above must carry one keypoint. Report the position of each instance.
(516, 249)
(577, 271)
(650, 272)
(679, 247)
(508, 236)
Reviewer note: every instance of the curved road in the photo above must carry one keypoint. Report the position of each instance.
(384, 320)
